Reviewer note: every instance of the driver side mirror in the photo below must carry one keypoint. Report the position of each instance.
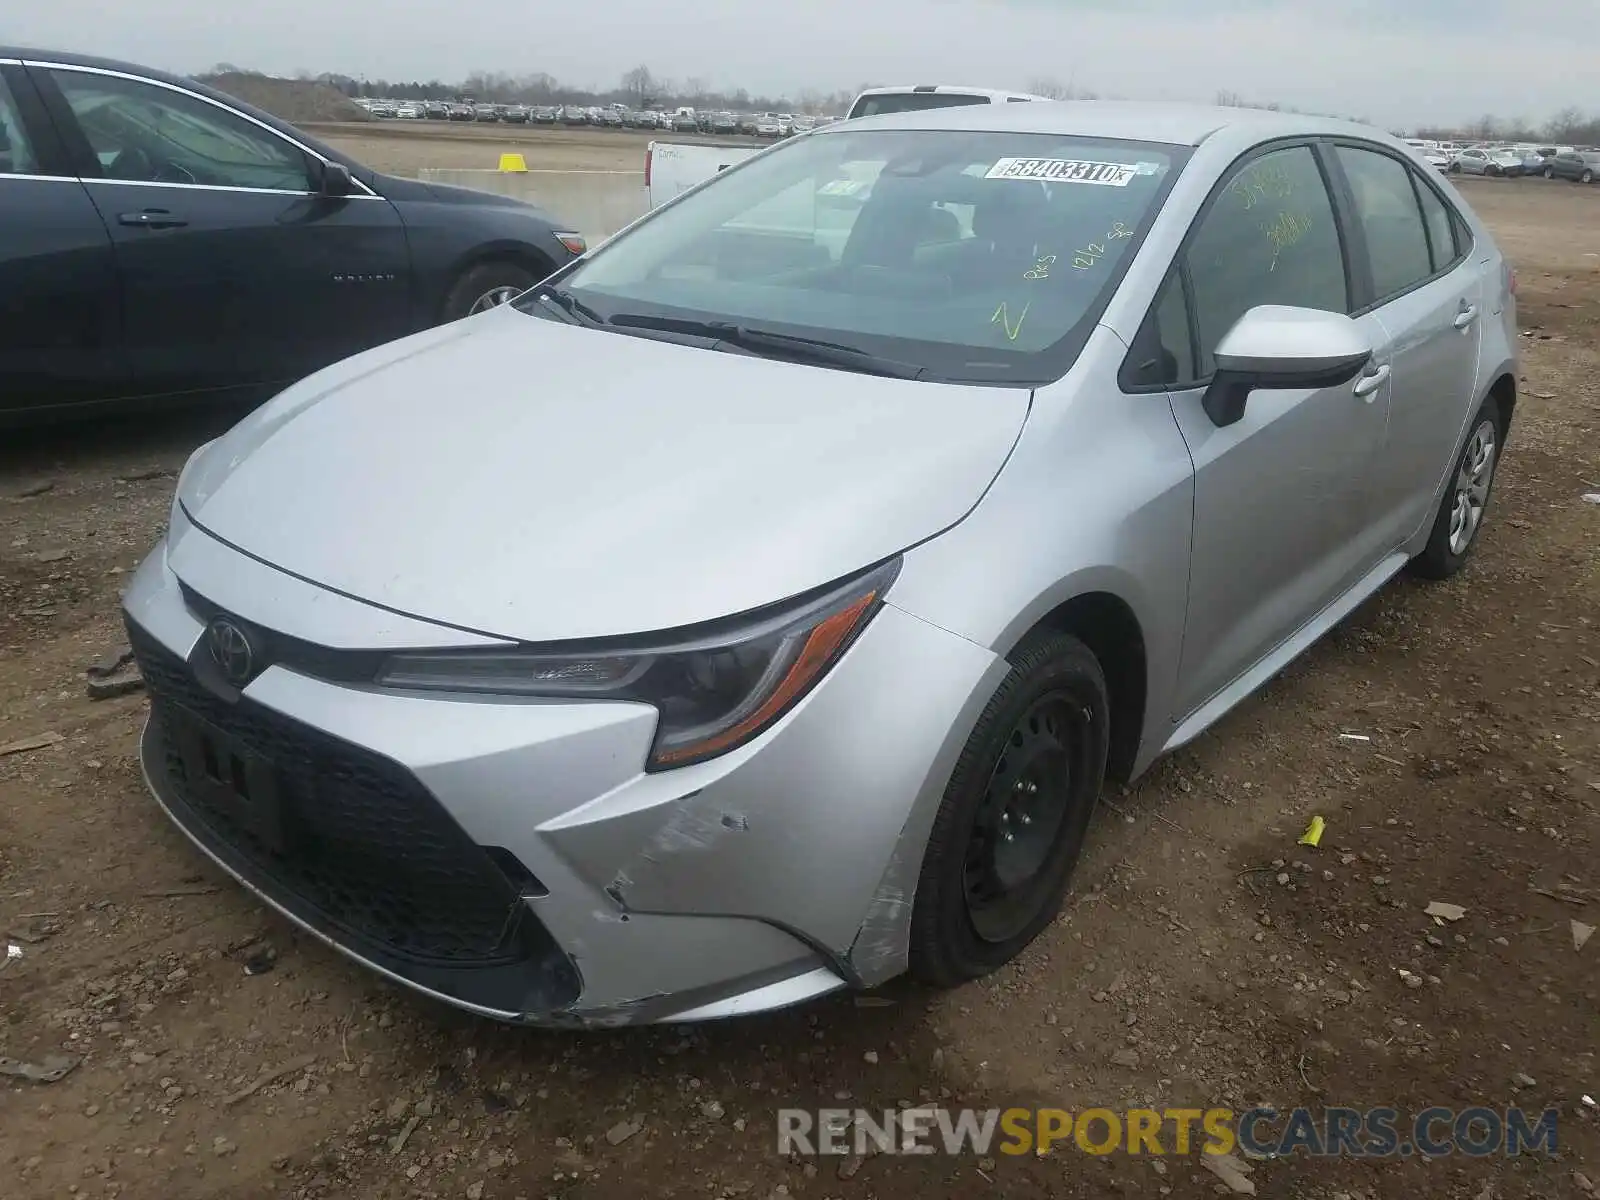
(1279, 347)
(337, 180)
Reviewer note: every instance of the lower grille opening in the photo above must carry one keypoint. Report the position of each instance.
(347, 839)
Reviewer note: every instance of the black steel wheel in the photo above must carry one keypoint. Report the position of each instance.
(1012, 823)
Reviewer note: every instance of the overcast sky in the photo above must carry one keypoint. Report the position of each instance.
(1397, 62)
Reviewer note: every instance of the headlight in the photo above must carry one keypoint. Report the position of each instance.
(714, 693)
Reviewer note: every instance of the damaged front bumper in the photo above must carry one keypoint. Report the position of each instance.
(511, 857)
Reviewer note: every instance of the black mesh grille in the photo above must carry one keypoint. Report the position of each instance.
(367, 848)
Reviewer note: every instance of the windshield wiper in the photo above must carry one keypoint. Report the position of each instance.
(576, 310)
(778, 345)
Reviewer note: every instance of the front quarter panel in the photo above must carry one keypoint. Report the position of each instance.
(1098, 497)
(449, 236)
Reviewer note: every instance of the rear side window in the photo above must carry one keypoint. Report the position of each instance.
(1442, 243)
(899, 102)
(1269, 237)
(1386, 205)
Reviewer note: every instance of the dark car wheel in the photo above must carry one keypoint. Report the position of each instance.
(1466, 499)
(1586, 177)
(1012, 822)
(1491, 170)
(1455, 168)
(1549, 173)
(487, 286)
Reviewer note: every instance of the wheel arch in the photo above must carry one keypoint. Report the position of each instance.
(1108, 625)
(1503, 391)
(521, 254)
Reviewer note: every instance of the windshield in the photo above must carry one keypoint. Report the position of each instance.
(898, 102)
(972, 254)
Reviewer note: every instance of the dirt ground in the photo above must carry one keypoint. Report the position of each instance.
(1203, 959)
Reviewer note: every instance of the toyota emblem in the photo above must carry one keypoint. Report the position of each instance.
(231, 651)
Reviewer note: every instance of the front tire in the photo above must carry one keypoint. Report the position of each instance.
(1466, 500)
(1015, 812)
(1586, 177)
(1549, 173)
(487, 286)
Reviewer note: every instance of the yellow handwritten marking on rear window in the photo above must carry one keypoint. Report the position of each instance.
(1285, 230)
(1002, 318)
(1259, 184)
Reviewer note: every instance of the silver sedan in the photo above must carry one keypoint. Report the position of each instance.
(759, 606)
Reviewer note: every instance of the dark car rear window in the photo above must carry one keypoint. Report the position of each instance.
(898, 102)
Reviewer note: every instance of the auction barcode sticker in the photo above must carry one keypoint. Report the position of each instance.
(1064, 170)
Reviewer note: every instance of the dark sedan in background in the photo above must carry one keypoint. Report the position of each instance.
(1580, 166)
(159, 239)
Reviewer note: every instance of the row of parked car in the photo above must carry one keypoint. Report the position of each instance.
(612, 116)
(1580, 164)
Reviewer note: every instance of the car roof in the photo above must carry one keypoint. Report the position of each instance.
(1131, 120)
(68, 58)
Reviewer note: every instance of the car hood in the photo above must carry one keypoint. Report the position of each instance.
(540, 481)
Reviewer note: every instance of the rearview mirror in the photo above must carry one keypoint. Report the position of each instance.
(337, 180)
(1276, 346)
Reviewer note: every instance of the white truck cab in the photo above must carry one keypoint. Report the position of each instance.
(875, 102)
(672, 168)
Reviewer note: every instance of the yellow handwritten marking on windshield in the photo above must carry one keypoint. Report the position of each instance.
(1040, 269)
(1086, 257)
(1002, 318)
(1284, 231)
(1118, 231)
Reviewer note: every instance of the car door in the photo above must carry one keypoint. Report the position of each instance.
(60, 337)
(235, 268)
(1279, 519)
(1428, 288)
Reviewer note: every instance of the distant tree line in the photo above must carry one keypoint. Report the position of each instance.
(1569, 127)
(639, 88)
(643, 88)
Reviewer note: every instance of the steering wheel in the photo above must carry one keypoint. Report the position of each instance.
(172, 172)
(130, 162)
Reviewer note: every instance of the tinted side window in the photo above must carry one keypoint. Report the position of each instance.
(1442, 242)
(16, 152)
(149, 134)
(1269, 237)
(899, 102)
(1386, 206)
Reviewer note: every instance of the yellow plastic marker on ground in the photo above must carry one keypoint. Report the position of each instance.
(1313, 834)
(513, 162)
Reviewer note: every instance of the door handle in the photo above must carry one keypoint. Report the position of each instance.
(1367, 386)
(152, 218)
(1467, 315)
